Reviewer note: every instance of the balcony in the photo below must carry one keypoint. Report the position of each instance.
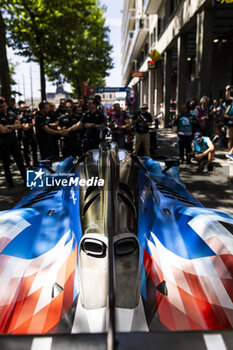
(152, 6)
(136, 44)
(129, 23)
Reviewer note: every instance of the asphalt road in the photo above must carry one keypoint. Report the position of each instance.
(213, 189)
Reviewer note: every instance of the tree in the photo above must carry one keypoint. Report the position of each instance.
(13, 83)
(47, 32)
(87, 55)
(4, 67)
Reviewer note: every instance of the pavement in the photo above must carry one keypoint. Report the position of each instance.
(213, 190)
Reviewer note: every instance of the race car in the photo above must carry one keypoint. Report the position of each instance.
(113, 249)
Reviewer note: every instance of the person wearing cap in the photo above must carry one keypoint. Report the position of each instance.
(203, 151)
(142, 121)
(119, 123)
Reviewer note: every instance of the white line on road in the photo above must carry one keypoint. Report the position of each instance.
(214, 341)
(44, 343)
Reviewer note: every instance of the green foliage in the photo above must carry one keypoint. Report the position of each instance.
(13, 83)
(69, 37)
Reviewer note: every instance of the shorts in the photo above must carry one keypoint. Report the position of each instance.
(229, 133)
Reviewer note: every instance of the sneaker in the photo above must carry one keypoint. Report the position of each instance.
(229, 156)
(205, 169)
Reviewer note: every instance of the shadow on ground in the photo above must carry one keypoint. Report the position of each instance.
(211, 189)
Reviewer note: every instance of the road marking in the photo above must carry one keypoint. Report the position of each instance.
(214, 341)
(44, 343)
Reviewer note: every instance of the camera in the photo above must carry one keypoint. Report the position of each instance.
(115, 124)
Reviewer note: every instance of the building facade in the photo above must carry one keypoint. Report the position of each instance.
(194, 38)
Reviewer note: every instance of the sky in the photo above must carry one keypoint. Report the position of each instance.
(22, 69)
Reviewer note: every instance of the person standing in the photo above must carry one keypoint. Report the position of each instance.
(201, 114)
(229, 124)
(53, 125)
(69, 143)
(93, 123)
(184, 132)
(61, 108)
(9, 144)
(79, 113)
(44, 132)
(119, 123)
(142, 121)
(82, 104)
(28, 137)
(101, 107)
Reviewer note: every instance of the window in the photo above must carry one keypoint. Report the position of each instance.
(159, 26)
(151, 39)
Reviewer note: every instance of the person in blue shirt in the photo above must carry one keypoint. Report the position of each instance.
(184, 131)
(203, 150)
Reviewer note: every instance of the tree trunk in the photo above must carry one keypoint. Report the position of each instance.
(4, 67)
(42, 79)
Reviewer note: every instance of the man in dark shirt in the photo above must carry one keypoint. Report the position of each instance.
(28, 136)
(53, 125)
(93, 123)
(44, 132)
(82, 104)
(8, 143)
(69, 143)
(119, 123)
(61, 108)
(142, 121)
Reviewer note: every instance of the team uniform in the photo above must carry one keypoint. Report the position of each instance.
(69, 144)
(29, 140)
(44, 140)
(9, 146)
(55, 138)
(92, 136)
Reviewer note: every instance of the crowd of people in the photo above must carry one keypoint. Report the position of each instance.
(74, 128)
(200, 126)
(69, 130)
